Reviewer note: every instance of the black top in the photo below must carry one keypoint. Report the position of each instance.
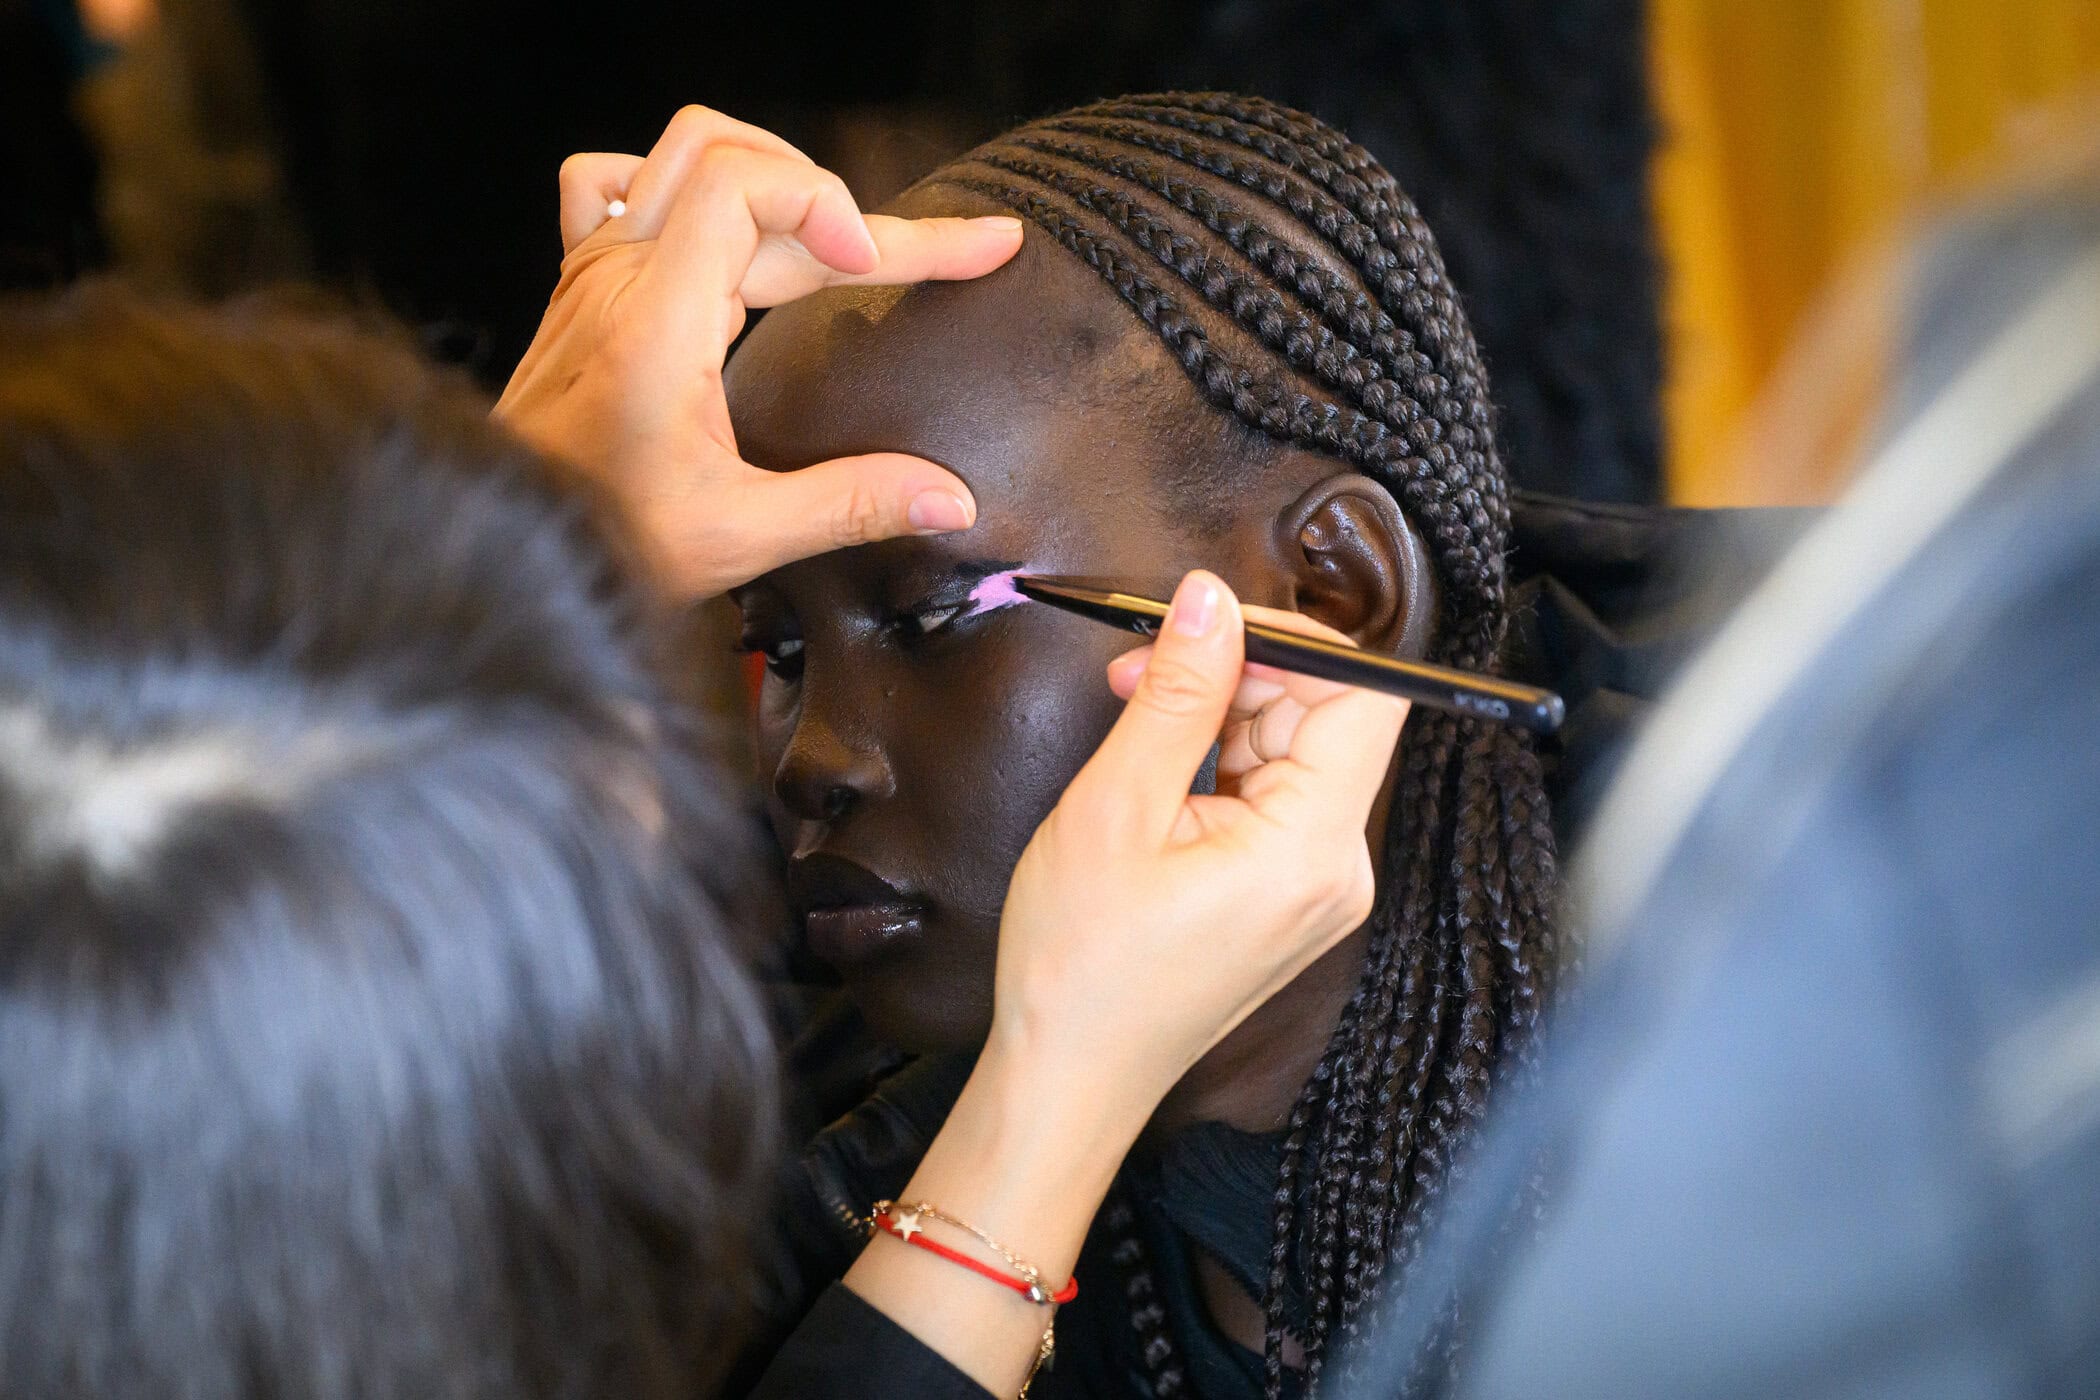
(846, 1348)
(1207, 1191)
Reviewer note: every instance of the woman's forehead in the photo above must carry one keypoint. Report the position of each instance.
(968, 374)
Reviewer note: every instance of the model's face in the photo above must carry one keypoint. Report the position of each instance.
(913, 749)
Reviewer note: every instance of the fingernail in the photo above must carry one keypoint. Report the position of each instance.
(1195, 608)
(937, 512)
(1002, 222)
(1131, 663)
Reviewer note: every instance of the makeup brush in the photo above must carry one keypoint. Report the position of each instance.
(1440, 687)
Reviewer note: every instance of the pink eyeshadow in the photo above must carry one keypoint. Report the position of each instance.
(995, 591)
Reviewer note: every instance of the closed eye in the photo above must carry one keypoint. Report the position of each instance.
(783, 655)
(931, 620)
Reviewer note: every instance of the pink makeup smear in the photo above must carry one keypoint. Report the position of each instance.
(994, 591)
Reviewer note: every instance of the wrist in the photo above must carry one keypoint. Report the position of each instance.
(1107, 1078)
(1027, 1154)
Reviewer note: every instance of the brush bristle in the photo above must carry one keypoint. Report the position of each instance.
(995, 591)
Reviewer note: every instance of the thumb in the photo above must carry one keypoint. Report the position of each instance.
(858, 500)
(1143, 769)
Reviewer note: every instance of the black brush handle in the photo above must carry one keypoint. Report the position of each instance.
(1439, 687)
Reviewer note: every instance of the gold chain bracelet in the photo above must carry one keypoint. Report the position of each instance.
(904, 1221)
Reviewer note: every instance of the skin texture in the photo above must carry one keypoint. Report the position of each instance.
(929, 758)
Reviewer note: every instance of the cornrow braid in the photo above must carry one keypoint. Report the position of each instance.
(1301, 291)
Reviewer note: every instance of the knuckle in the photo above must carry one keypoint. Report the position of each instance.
(721, 168)
(713, 164)
(1173, 687)
(693, 122)
(858, 517)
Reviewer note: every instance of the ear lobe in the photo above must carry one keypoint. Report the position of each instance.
(1360, 566)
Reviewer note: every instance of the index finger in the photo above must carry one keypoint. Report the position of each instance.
(936, 250)
(1306, 690)
(1271, 702)
(713, 230)
(686, 139)
(906, 250)
(1327, 731)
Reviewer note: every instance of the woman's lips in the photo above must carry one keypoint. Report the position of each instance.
(849, 913)
(848, 935)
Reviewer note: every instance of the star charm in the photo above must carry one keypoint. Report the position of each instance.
(907, 1224)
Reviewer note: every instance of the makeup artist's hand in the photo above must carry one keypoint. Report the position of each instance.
(624, 378)
(1142, 924)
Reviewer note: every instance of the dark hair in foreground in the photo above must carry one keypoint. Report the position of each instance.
(370, 1019)
(1304, 295)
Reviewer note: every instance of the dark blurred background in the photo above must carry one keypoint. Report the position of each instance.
(404, 151)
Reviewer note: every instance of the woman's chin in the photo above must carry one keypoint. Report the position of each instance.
(920, 1011)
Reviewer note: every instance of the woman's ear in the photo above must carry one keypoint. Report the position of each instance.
(1359, 565)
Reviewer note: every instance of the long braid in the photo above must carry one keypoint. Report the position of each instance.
(1148, 1317)
(1301, 291)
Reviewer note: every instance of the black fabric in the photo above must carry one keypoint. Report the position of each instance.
(867, 1155)
(1214, 1185)
(1210, 1186)
(1212, 1192)
(1209, 1189)
(1607, 602)
(847, 1348)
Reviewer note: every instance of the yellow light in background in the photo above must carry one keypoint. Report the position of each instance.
(1798, 135)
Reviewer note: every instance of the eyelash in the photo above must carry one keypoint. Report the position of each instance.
(927, 621)
(784, 657)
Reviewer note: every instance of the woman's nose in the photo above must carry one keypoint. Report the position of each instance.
(823, 776)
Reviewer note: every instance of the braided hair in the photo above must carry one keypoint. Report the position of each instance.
(1302, 293)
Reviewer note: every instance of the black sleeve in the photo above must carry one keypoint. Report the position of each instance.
(847, 1348)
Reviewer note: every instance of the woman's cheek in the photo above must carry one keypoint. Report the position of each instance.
(1001, 752)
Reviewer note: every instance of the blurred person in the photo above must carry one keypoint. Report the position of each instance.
(1826, 1119)
(367, 907)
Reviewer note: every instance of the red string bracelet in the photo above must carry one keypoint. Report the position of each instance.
(1028, 1284)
